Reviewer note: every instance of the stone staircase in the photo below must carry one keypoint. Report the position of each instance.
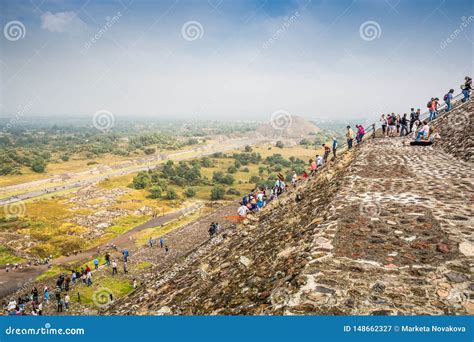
(385, 229)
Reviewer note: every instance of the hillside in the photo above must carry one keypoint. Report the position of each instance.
(287, 126)
(385, 229)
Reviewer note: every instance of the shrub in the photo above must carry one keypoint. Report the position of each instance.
(190, 192)
(248, 148)
(217, 192)
(39, 166)
(255, 179)
(149, 150)
(155, 192)
(171, 194)
(232, 169)
(279, 144)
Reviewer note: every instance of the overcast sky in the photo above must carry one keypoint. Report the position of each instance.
(229, 59)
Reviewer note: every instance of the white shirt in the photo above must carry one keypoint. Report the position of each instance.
(243, 210)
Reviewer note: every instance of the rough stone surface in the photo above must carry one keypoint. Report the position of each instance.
(326, 254)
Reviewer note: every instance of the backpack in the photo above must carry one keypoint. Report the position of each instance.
(445, 97)
(428, 104)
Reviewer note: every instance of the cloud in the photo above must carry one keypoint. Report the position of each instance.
(61, 22)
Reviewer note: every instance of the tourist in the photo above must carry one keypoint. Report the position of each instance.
(125, 269)
(334, 146)
(312, 167)
(46, 294)
(448, 98)
(412, 118)
(59, 300)
(432, 108)
(166, 249)
(125, 255)
(40, 309)
(466, 88)
(150, 242)
(404, 125)
(89, 278)
(360, 133)
(424, 132)
(66, 301)
(294, 179)
(327, 150)
(319, 160)
(211, 230)
(162, 242)
(67, 282)
(96, 263)
(384, 123)
(134, 283)
(392, 119)
(35, 294)
(349, 137)
(107, 258)
(398, 123)
(243, 210)
(114, 267)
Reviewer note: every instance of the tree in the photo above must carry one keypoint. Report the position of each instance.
(141, 180)
(279, 144)
(248, 148)
(155, 192)
(206, 162)
(38, 166)
(217, 192)
(190, 192)
(149, 150)
(171, 194)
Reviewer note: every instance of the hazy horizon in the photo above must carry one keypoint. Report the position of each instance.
(227, 60)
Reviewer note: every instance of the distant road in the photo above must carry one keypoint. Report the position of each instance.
(204, 150)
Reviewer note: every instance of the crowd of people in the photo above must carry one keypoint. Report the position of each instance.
(401, 125)
(392, 125)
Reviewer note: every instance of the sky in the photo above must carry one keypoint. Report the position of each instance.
(230, 60)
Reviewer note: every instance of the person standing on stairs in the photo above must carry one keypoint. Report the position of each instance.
(349, 137)
(404, 125)
(412, 118)
(466, 88)
(447, 99)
